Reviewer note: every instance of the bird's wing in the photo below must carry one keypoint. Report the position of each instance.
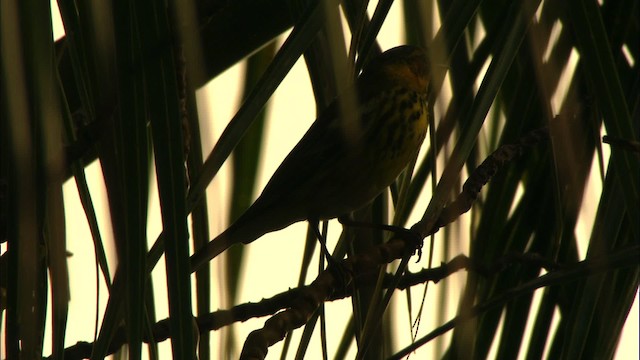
(326, 141)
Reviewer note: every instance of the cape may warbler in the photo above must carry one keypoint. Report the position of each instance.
(348, 156)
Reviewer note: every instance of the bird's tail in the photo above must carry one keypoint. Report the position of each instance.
(243, 231)
(255, 222)
(212, 249)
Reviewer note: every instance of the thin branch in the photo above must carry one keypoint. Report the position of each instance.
(240, 313)
(301, 303)
(622, 258)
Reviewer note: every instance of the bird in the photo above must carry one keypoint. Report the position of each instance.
(351, 153)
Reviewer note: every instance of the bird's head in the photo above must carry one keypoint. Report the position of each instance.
(407, 65)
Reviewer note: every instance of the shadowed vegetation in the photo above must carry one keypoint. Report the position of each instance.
(521, 95)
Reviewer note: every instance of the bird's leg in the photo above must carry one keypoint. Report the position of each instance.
(341, 274)
(321, 239)
(411, 236)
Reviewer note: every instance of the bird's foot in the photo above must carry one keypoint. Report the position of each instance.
(413, 238)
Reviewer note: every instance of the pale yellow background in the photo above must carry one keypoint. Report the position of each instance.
(272, 268)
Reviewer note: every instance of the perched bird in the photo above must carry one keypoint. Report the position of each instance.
(351, 153)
